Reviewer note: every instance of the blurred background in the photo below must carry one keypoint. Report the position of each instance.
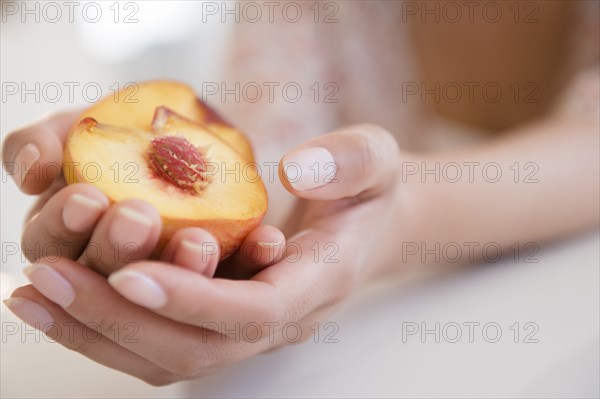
(535, 320)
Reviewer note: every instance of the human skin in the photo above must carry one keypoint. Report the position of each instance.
(372, 209)
(367, 212)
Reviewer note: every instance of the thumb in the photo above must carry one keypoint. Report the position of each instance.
(357, 160)
(33, 156)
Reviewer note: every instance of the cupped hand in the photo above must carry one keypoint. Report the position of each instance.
(78, 221)
(164, 323)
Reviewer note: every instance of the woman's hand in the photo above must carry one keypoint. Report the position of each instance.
(163, 323)
(78, 222)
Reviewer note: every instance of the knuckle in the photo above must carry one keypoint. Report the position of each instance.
(379, 139)
(377, 132)
(32, 255)
(161, 378)
(268, 313)
(368, 157)
(79, 346)
(102, 321)
(367, 150)
(376, 149)
(41, 238)
(188, 367)
(345, 286)
(79, 342)
(34, 248)
(50, 232)
(296, 309)
(197, 360)
(211, 356)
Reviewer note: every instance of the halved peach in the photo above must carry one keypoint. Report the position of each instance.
(188, 173)
(134, 106)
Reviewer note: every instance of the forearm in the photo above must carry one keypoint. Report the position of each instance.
(548, 188)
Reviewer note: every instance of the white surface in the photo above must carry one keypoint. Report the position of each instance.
(48, 53)
(560, 293)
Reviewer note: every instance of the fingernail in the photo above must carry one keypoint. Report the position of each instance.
(309, 168)
(139, 288)
(129, 226)
(194, 248)
(26, 157)
(80, 213)
(30, 312)
(50, 284)
(201, 257)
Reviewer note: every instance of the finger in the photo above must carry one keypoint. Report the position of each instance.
(193, 248)
(86, 296)
(262, 247)
(33, 156)
(128, 231)
(191, 298)
(361, 159)
(37, 311)
(41, 199)
(283, 292)
(65, 223)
